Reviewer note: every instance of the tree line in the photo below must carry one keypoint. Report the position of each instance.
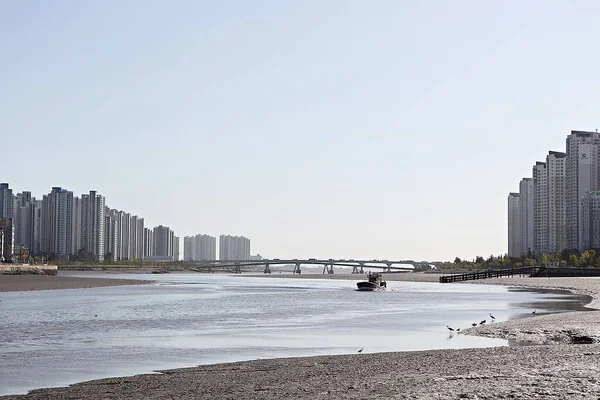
(566, 258)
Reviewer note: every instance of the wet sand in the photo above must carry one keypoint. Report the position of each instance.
(553, 356)
(16, 283)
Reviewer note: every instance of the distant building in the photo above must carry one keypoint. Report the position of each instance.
(234, 247)
(514, 227)
(24, 220)
(7, 231)
(540, 208)
(76, 226)
(56, 224)
(148, 243)
(557, 203)
(6, 201)
(590, 207)
(200, 248)
(163, 242)
(175, 248)
(582, 176)
(526, 215)
(92, 222)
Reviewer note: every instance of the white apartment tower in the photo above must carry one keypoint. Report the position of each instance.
(540, 208)
(557, 212)
(234, 248)
(581, 177)
(514, 226)
(148, 243)
(526, 215)
(199, 248)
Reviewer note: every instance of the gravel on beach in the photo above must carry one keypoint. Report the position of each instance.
(555, 356)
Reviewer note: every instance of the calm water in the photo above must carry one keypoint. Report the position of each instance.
(58, 337)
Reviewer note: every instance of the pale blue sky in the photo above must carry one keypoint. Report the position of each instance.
(384, 129)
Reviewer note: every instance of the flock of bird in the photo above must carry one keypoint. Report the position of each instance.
(480, 323)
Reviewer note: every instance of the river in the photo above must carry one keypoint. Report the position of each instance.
(58, 337)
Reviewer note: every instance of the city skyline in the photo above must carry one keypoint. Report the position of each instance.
(558, 208)
(63, 225)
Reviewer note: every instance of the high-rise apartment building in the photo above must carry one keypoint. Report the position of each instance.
(6, 201)
(111, 234)
(7, 246)
(148, 243)
(199, 248)
(581, 177)
(92, 222)
(163, 242)
(514, 230)
(76, 226)
(526, 215)
(24, 220)
(540, 208)
(234, 247)
(175, 248)
(556, 192)
(590, 222)
(56, 224)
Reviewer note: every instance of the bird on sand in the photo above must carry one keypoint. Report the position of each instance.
(474, 324)
(534, 311)
(458, 330)
(360, 351)
(491, 316)
(482, 322)
(450, 329)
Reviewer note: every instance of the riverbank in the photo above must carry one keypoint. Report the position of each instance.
(17, 283)
(559, 367)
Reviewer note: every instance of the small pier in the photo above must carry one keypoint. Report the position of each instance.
(497, 273)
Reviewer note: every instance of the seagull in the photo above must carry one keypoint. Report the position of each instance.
(474, 324)
(482, 322)
(450, 329)
(360, 351)
(458, 330)
(491, 316)
(534, 311)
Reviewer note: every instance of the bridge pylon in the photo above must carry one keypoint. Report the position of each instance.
(297, 268)
(267, 269)
(362, 268)
(238, 268)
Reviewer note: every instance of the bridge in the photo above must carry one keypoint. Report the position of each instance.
(358, 266)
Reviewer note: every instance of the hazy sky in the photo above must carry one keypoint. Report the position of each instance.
(384, 129)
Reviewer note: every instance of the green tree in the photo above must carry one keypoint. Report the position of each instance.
(573, 260)
(457, 260)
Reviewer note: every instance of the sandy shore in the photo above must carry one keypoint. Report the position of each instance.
(15, 283)
(564, 363)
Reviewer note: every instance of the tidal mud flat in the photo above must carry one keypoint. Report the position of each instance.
(553, 356)
(17, 283)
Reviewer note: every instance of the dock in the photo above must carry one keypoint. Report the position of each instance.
(496, 273)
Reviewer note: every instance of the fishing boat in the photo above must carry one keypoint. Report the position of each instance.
(373, 283)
